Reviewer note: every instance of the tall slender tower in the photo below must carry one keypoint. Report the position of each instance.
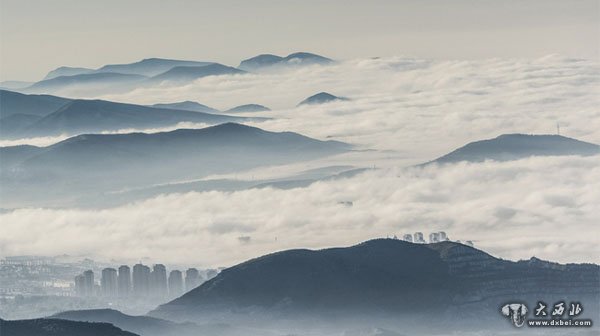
(141, 280)
(192, 279)
(88, 283)
(159, 281)
(80, 285)
(108, 282)
(175, 283)
(124, 281)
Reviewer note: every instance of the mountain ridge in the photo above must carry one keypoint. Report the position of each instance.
(94, 116)
(248, 108)
(58, 327)
(321, 98)
(190, 73)
(104, 163)
(63, 82)
(264, 61)
(382, 278)
(187, 105)
(142, 325)
(515, 146)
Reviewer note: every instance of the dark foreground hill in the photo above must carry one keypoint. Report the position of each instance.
(57, 327)
(517, 146)
(143, 325)
(391, 281)
(97, 163)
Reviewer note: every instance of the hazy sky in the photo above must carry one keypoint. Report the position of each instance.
(37, 36)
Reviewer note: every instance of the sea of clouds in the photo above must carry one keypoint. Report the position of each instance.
(402, 112)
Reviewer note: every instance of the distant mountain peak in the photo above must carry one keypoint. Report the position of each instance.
(67, 71)
(306, 55)
(187, 105)
(270, 60)
(91, 116)
(248, 108)
(320, 98)
(517, 146)
(190, 73)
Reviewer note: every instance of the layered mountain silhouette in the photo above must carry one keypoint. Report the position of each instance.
(296, 59)
(18, 111)
(260, 61)
(93, 116)
(43, 115)
(321, 98)
(147, 67)
(150, 66)
(115, 78)
(248, 108)
(14, 85)
(143, 325)
(518, 146)
(67, 71)
(96, 81)
(58, 327)
(383, 279)
(182, 74)
(123, 77)
(108, 162)
(37, 105)
(187, 106)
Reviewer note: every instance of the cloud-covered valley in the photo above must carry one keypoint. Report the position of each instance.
(421, 108)
(544, 207)
(408, 111)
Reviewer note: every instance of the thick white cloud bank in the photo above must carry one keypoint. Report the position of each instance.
(416, 108)
(544, 207)
(419, 108)
(409, 111)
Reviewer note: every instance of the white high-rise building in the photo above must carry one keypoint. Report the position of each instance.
(418, 238)
(443, 236)
(434, 237)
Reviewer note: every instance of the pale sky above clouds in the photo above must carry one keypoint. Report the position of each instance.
(37, 36)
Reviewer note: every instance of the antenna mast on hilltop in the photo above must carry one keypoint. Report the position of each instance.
(557, 128)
